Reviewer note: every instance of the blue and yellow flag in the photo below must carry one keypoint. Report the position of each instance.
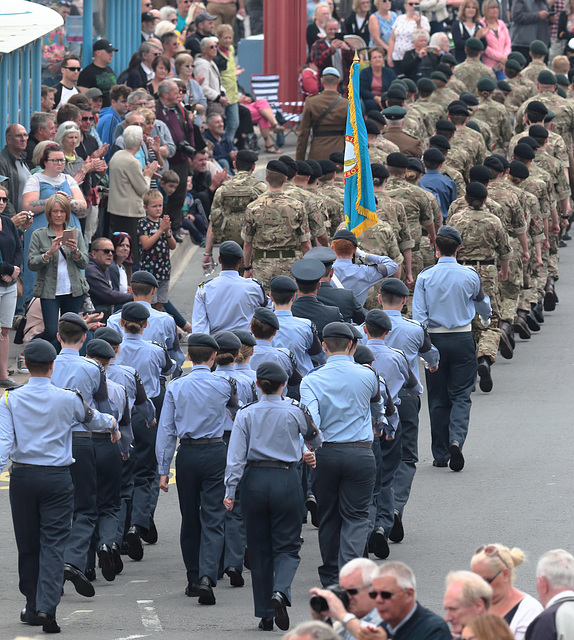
(360, 207)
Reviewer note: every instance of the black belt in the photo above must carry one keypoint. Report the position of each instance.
(271, 464)
(25, 465)
(360, 444)
(258, 254)
(191, 441)
(100, 435)
(477, 262)
(327, 134)
(81, 434)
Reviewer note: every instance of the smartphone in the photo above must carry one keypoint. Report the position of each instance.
(417, 9)
(339, 36)
(69, 234)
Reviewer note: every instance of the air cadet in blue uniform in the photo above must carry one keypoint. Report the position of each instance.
(442, 187)
(299, 335)
(242, 365)
(228, 301)
(71, 371)
(447, 296)
(36, 422)
(345, 401)
(358, 277)
(195, 411)
(152, 362)
(394, 368)
(266, 438)
(413, 340)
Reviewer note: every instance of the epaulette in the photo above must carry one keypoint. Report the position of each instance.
(162, 345)
(315, 369)
(14, 387)
(416, 322)
(88, 411)
(397, 350)
(429, 267)
(247, 405)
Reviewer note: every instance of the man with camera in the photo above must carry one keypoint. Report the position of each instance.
(348, 605)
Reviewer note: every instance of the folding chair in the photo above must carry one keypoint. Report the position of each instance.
(267, 87)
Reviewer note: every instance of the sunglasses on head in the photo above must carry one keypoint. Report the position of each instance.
(491, 550)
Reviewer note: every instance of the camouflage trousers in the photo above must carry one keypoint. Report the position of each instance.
(554, 241)
(511, 288)
(265, 269)
(428, 252)
(487, 338)
(417, 265)
(529, 293)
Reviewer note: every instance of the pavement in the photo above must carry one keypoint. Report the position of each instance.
(516, 489)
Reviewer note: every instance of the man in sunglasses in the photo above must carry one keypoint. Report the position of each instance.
(467, 596)
(98, 277)
(66, 88)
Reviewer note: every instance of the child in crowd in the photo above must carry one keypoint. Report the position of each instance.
(194, 218)
(168, 184)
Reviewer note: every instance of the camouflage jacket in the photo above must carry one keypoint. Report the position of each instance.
(460, 204)
(564, 110)
(495, 115)
(381, 240)
(393, 212)
(513, 217)
(483, 236)
(443, 97)
(472, 142)
(430, 113)
(332, 197)
(417, 203)
(532, 70)
(454, 175)
(317, 224)
(470, 71)
(386, 146)
(550, 164)
(555, 146)
(531, 208)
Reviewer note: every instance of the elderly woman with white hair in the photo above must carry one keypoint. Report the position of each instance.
(207, 74)
(68, 137)
(128, 185)
(421, 61)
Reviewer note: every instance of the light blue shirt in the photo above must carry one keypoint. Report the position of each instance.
(120, 409)
(264, 351)
(245, 369)
(296, 335)
(195, 406)
(246, 388)
(130, 379)
(268, 430)
(339, 395)
(36, 423)
(226, 303)
(449, 294)
(361, 277)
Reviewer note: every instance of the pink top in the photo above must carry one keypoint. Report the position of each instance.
(497, 46)
(377, 85)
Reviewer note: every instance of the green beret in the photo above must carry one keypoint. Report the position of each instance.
(372, 127)
(474, 44)
(562, 80)
(546, 77)
(426, 85)
(503, 86)
(539, 48)
(440, 142)
(538, 131)
(485, 84)
(516, 55)
(394, 113)
(397, 91)
(439, 75)
(512, 64)
(411, 86)
(524, 151)
(469, 99)
(560, 91)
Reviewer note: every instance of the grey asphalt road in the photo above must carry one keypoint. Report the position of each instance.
(516, 489)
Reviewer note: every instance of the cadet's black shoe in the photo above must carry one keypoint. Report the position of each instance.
(505, 346)
(82, 585)
(48, 622)
(124, 548)
(206, 595)
(440, 465)
(29, 619)
(266, 624)
(135, 548)
(522, 329)
(117, 558)
(192, 590)
(90, 574)
(380, 543)
(537, 312)
(311, 504)
(485, 382)
(149, 536)
(456, 462)
(106, 562)
(246, 560)
(279, 603)
(235, 577)
(397, 532)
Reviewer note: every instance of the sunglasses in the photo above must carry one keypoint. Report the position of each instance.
(385, 595)
(353, 592)
(73, 68)
(491, 550)
(87, 118)
(2, 199)
(106, 251)
(491, 580)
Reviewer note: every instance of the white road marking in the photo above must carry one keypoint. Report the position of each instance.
(132, 637)
(149, 617)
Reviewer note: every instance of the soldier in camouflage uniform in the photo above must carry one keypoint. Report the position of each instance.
(520, 93)
(458, 157)
(413, 123)
(454, 83)
(465, 137)
(443, 96)
(485, 246)
(476, 123)
(275, 229)
(538, 51)
(469, 71)
(332, 209)
(331, 195)
(381, 143)
(375, 154)
(494, 114)
(429, 111)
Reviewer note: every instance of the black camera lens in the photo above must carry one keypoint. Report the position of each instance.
(318, 604)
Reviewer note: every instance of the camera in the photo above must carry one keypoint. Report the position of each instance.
(184, 146)
(319, 604)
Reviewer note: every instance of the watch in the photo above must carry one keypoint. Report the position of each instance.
(348, 617)
(247, 267)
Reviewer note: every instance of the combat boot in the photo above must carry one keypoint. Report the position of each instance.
(485, 381)
(537, 312)
(521, 327)
(530, 320)
(506, 344)
(549, 295)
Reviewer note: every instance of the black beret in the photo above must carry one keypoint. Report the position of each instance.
(395, 286)
(444, 68)
(202, 340)
(471, 124)
(378, 318)
(439, 75)
(504, 86)
(560, 91)
(416, 165)
(479, 173)
(41, 351)
(449, 232)
(502, 159)
(327, 166)
(231, 249)
(357, 333)
(375, 115)
(433, 155)
(538, 47)
(227, 341)
(516, 55)
(111, 336)
(546, 77)
(519, 170)
(289, 163)
(398, 160)
(363, 355)
(524, 151)
(535, 106)
(486, 84)
(74, 318)
(325, 255)
(303, 169)
(98, 348)
(474, 43)
(411, 86)
(283, 284)
(562, 80)
(455, 109)
(445, 125)
(145, 277)
(338, 157)
(379, 171)
(246, 156)
(309, 270)
(397, 91)
(440, 141)
(476, 190)
(245, 337)
(426, 85)
(492, 162)
(345, 234)
(266, 316)
(538, 131)
(469, 99)
(448, 58)
(338, 330)
(372, 127)
(271, 371)
(134, 311)
(316, 170)
(530, 141)
(278, 167)
(512, 64)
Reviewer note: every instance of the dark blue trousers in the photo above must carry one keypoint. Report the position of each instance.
(42, 503)
(409, 416)
(234, 546)
(126, 496)
(109, 477)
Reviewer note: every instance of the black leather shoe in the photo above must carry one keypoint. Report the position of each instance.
(90, 574)
(29, 619)
(266, 624)
(380, 544)
(311, 504)
(82, 585)
(192, 590)
(124, 548)
(150, 536)
(117, 558)
(566, 236)
(205, 587)
(440, 465)
(279, 603)
(485, 382)
(235, 577)
(106, 562)
(135, 548)
(397, 532)
(48, 622)
(532, 323)
(456, 462)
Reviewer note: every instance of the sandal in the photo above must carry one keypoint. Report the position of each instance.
(271, 149)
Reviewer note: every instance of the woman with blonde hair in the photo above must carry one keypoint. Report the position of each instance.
(495, 563)
(488, 626)
(357, 22)
(497, 39)
(466, 26)
(381, 23)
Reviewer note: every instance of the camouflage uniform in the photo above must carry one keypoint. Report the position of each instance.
(532, 70)
(495, 115)
(456, 85)
(529, 85)
(386, 146)
(484, 240)
(454, 175)
(564, 110)
(460, 159)
(486, 132)
(519, 94)
(555, 146)
(443, 97)
(470, 71)
(229, 204)
(331, 196)
(317, 224)
(472, 142)
(414, 125)
(393, 212)
(376, 155)
(430, 112)
(276, 225)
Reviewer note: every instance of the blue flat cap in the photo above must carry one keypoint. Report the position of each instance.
(231, 249)
(227, 341)
(111, 336)
(324, 254)
(74, 318)
(245, 337)
(283, 284)
(394, 286)
(363, 355)
(450, 232)
(338, 330)
(309, 270)
(202, 340)
(134, 311)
